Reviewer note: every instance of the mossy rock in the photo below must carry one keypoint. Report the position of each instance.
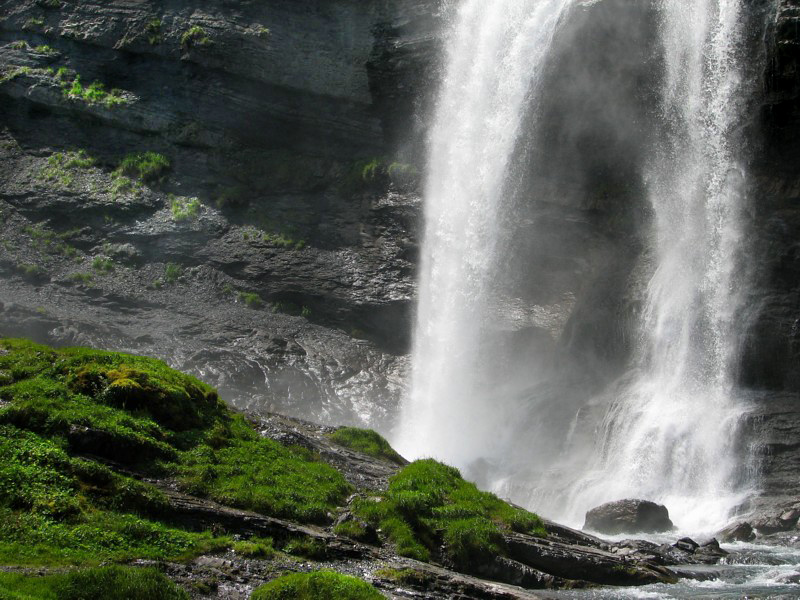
(368, 442)
(320, 585)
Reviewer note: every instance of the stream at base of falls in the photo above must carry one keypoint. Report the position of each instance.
(751, 571)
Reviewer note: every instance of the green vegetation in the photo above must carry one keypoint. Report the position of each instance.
(172, 272)
(148, 167)
(101, 264)
(20, 45)
(255, 548)
(428, 504)
(45, 49)
(379, 171)
(94, 93)
(251, 299)
(290, 308)
(194, 36)
(33, 23)
(153, 31)
(410, 577)
(108, 582)
(81, 278)
(320, 585)
(184, 208)
(49, 241)
(366, 441)
(30, 271)
(262, 32)
(62, 166)
(283, 241)
(56, 508)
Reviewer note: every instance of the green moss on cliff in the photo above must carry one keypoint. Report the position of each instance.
(64, 412)
(428, 504)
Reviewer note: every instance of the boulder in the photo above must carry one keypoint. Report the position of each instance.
(629, 516)
(737, 532)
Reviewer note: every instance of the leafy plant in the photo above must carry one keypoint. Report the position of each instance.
(251, 299)
(184, 208)
(172, 272)
(153, 31)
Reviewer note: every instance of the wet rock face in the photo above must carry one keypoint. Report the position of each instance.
(628, 516)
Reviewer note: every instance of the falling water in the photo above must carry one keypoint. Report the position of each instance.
(670, 431)
(671, 434)
(494, 65)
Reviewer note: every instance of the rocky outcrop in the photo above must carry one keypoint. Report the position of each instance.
(628, 516)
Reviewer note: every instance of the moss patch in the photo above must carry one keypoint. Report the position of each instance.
(321, 585)
(56, 507)
(367, 442)
(109, 582)
(428, 504)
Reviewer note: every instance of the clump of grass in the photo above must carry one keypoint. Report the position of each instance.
(411, 577)
(102, 264)
(262, 31)
(94, 93)
(195, 36)
(283, 241)
(81, 278)
(172, 272)
(49, 241)
(20, 45)
(45, 49)
(30, 271)
(184, 208)
(251, 299)
(428, 505)
(320, 585)
(148, 167)
(255, 548)
(367, 442)
(153, 31)
(33, 23)
(62, 166)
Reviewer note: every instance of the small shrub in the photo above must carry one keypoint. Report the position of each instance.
(33, 23)
(81, 278)
(45, 49)
(94, 93)
(194, 36)
(320, 585)
(368, 442)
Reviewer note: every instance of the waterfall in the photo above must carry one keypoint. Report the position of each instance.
(670, 428)
(671, 434)
(494, 63)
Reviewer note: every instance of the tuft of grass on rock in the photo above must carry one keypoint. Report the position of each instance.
(319, 585)
(172, 272)
(368, 442)
(148, 167)
(184, 208)
(251, 299)
(428, 505)
(195, 36)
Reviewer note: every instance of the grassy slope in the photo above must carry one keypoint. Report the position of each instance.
(66, 415)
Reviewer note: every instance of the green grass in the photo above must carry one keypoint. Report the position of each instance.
(320, 585)
(94, 93)
(184, 208)
(153, 31)
(58, 508)
(92, 584)
(366, 441)
(81, 278)
(195, 36)
(255, 548)
(102, 264)
(62, 166)
(428, 505)
(148, 167)
(251, 299)
(172, 272)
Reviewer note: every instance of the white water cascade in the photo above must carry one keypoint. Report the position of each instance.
(671, 433)
(494, 66)
(670, 428)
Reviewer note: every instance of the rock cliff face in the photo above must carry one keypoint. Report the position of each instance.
(292, 271)
(276, 255)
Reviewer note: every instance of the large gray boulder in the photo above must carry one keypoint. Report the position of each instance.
(628, 516)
